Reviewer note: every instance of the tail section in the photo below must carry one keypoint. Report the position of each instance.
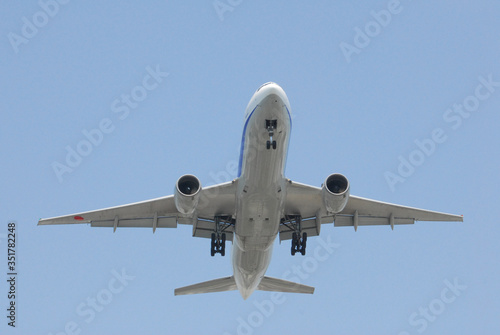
(280, 285)
(216, 285)
(229, 284)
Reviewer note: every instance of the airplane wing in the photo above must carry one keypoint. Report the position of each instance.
(160, 213)
(306, 201)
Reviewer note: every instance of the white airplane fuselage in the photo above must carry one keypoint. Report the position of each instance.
(261, 190)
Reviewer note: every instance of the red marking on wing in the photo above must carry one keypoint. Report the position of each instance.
(79, 218)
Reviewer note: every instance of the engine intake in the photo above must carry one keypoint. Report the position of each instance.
(187, 194)
(335, 192)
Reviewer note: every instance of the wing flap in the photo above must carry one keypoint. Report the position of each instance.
(162, 222)
(348, 221)
(204, 228)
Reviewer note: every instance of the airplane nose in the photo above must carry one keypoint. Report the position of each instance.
(266, 84)
(267, 94)
(272, 89)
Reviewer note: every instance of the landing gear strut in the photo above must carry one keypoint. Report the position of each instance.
(270, 127)
(218, 244)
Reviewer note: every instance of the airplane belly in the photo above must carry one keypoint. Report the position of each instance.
(258, 217)
(259, 199)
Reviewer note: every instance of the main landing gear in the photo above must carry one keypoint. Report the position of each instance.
(299, 238)
(218, 244)
(298, 243)
(271, 127)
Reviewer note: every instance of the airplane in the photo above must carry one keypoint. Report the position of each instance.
(257, 206)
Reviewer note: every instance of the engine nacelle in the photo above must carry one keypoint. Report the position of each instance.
(187, 194)
(335, 192)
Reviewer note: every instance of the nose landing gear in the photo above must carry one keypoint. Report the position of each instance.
(271, 126)
(270, 144)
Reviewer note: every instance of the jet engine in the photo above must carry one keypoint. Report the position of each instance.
(187, 194)
(335, 192)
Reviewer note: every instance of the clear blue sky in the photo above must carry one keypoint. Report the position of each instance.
(363, 93)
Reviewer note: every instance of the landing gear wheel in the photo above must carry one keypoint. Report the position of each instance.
(294, 243)
(212, 250)
(271, 126)
(299, 244)
(218, 244)
(303, 246)
(223, 245)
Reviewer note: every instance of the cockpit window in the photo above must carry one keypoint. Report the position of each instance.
(264, 85)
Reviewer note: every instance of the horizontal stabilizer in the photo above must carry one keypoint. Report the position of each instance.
(216, 285)
(280, 285)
